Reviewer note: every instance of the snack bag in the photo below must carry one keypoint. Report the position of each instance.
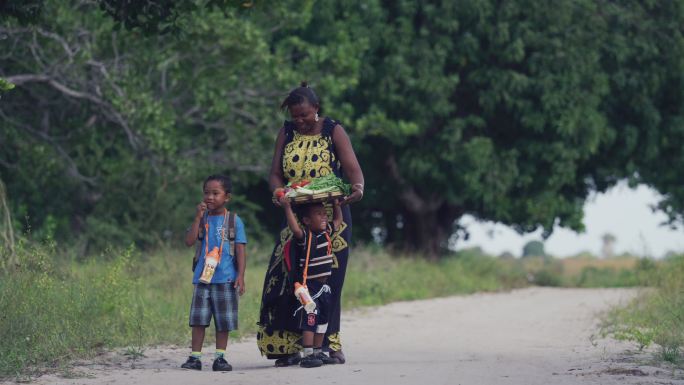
(302, 294)
(211, 260)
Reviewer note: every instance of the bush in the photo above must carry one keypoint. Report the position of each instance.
(48, 316)
(657, 315)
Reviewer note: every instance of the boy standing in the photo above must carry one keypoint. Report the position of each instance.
(219, 272)
(311, 267)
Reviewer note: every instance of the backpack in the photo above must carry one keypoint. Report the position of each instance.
(230, 218)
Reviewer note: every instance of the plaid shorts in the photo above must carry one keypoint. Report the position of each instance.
(217, 299)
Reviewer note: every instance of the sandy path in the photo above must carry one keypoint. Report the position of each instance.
(528, 336)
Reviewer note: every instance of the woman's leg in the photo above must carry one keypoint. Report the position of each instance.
(341, 244)
(278, 336)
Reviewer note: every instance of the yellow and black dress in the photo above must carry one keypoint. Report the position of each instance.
(304, 157)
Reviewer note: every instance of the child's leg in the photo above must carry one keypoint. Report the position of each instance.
(318, 340)
(308, 339)
(224, 309)
(309, 358)
(193, 361)
(220, 363)
(221, 340)
(197, 338)
(200, 316)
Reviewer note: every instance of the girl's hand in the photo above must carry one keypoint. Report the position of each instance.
(284, 201)
(240, 284)
(277, 194)
(201, 209)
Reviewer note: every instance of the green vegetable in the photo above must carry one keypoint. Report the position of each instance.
(329, 181)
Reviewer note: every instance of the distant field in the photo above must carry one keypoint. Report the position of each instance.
(587, 271)
(575, 266)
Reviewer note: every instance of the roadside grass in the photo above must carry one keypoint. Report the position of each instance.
(588, 271)
(656, 316)
(55, 308)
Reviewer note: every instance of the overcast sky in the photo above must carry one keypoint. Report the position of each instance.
(621, 211)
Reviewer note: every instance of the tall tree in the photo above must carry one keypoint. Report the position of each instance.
(485, 108)
(122, 126)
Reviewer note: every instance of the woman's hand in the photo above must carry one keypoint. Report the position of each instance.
(355, 196)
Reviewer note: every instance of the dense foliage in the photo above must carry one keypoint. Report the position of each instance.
(512, 112)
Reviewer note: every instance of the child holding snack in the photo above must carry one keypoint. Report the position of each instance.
(311, 265)
(218, 271)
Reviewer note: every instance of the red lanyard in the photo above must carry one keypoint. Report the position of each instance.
(308, 253)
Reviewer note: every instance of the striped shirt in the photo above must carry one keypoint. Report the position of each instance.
(320, 262)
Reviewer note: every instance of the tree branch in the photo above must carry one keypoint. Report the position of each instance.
(114, 115)
(72, 168)
(408, 195)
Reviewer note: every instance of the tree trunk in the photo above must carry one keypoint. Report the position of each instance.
(427, 232)
(428, 220)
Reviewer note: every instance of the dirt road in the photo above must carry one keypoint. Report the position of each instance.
(528, 336)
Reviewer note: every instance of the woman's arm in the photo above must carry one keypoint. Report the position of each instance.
(350, 164)
(337, 215)
(276, 178)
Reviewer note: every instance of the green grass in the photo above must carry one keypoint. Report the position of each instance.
(375, 277)
(588, 271)
(54, 308)
(656, 316)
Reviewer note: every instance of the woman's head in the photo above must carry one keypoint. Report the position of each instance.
(303, 106)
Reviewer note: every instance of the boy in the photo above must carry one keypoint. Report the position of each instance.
(219, 272)
(311, 266)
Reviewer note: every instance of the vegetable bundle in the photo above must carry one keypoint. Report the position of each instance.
(328, 183)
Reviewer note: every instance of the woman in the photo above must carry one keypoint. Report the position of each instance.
(308, 146)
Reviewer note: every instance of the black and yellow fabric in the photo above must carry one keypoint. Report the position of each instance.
(304, 157)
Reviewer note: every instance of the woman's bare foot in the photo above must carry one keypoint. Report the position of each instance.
(338, 355)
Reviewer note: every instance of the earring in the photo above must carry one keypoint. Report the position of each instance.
(316, 118)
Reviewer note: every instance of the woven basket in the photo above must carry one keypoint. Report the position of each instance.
(319, 197)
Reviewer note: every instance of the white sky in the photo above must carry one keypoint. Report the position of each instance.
(621, 211)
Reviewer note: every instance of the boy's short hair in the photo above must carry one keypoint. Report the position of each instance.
(304, 209)
(225, 181)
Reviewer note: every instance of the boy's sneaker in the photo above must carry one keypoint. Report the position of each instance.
(291, 359)
(193, 363)
(326, 359)
(221, 365)
(310, 361)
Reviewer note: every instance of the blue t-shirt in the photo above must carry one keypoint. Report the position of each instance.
(226, 271)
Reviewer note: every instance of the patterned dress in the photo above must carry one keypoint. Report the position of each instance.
(304, 157)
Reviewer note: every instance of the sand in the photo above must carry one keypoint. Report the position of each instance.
(528, 336)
